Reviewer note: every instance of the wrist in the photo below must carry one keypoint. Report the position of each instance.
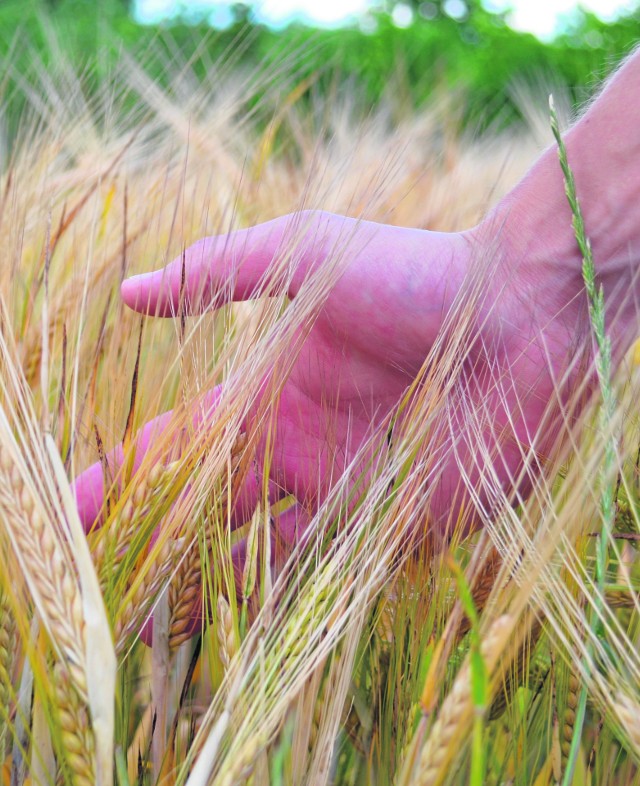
(536, 303)
(533, 247)
(539, 263)
(532, 227)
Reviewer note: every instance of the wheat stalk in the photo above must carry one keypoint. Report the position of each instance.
(569, 716)
(245, 749)
(321, 685)
(244, 763)
(628, 712)
(183, 595)
(115, 537)
(516, 674)
(75, 731)
(46, 569)
(56, 588)
(456, 711)
(622, 598)
(482, 588)
(227, 642)
(187, 580)
(138, 601)
(7, 647)
(575, 716)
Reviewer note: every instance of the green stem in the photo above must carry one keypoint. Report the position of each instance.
(477, 750)
(595, 298)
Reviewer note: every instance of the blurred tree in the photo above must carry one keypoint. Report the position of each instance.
(453, 47)
(242, 13)
(458, 10)
(126, 5)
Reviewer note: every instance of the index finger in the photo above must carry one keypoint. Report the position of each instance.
(237, 266)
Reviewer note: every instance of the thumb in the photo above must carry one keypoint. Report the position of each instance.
(237, 266)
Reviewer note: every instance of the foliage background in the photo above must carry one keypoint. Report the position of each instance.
(478, 56)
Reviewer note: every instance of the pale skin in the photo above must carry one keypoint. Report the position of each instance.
(400, 284)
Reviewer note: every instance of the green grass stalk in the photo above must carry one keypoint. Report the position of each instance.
(595, 298)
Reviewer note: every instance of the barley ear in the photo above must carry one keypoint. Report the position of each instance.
(183, 595)
(455, 715)
(75, 732)
(628, 712)
(143, 592)
(7, 648)
(226, 633)
(99, 650)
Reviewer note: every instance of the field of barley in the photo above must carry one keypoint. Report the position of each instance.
(369, 652)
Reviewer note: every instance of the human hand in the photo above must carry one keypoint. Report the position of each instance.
(394, 290)
(371, 336)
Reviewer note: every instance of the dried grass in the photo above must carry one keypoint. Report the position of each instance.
(349, 657)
